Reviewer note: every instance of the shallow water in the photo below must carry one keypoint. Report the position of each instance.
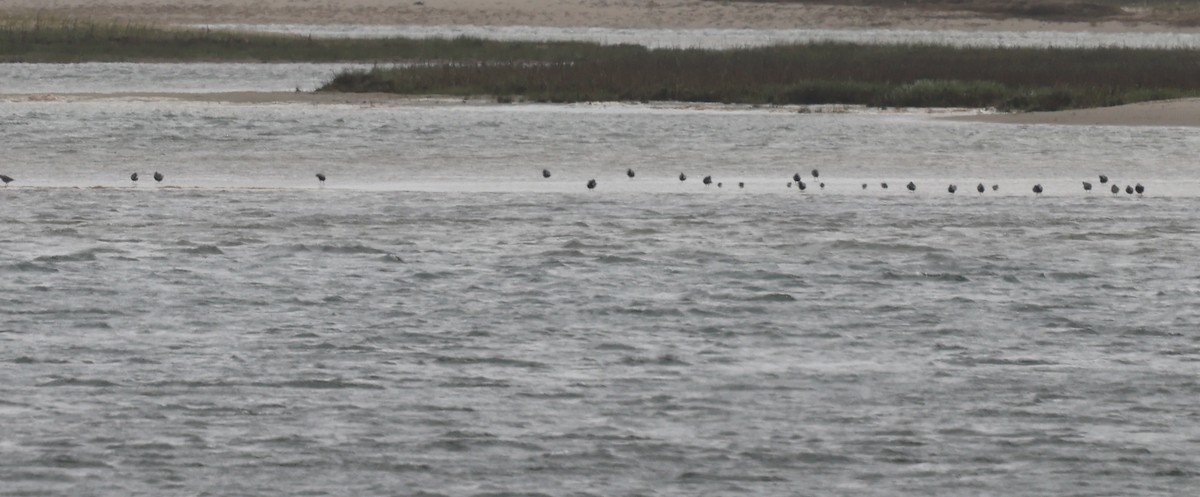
(438, 318)
(733, 38)
(117, 77)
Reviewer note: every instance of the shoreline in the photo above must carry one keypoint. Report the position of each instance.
(1170, 113)
(629, 14)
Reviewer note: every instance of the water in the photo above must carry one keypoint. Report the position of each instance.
(438, 319)
(119, 77)
(736, 38)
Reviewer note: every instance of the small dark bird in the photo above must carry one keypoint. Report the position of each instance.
(629, 172)
(801, 186)
(883, 185)
(707, 180)
(133, 177)
(1103, 179)
(822, 185)
(816, 173)
(720, 185)
(1129, 189)
(1116, 189)
(864, 186)
(789, 184)
(1037, 188)
(741, 184)
(796, 177)
(158, 176)
(912, 187)
(1139, 189)
(995, 188)
(321, 178)
(6, 179)
(952, 188)
(1087, 187)
(545, 173)
(979, 188)
(682, 177)
(591, 184)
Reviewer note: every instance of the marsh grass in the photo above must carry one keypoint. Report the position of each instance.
(821, 73)
(75, 40)
(1176, 12)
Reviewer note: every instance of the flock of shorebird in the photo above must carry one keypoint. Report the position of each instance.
(911, 186)
(800, 184)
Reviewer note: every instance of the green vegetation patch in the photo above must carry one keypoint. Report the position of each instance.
(821, 73)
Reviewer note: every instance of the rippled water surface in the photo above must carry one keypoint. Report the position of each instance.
(439, 318)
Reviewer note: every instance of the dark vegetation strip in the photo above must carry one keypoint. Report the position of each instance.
(73, 40)
(875, 75)
(820, 73)
(1174, 12)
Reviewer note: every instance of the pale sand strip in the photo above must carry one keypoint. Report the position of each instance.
(1185, 112)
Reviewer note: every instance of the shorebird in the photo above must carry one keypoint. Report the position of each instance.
(1103, 179)
(801, 186)
(796, 177)
(816, 173)
(591, 184)
(133, 177)
(822, 185)
(6, 179)
(864, 186)
(321, 178)
(789, 184)
(1037, 188)
(707, 180)
(682, 177)
(158, 176)
(995, 188)
(1116, 189)
(979, 188)
(912, 187)
(629, 172)
(883, 185)
(720, 185)
(545, 173)
(953, 188)
(741, 184)
(1129, 189)
(1139, 189)
(1087, 187)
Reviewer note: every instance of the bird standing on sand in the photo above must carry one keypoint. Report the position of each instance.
(1129, 189)
(591, 184)
(741, 184)
(630, 173)
(707, 180)
(953, 188)
(158, 176)
(1103, 179)
(995, 187)
(321, 178)
(133, 177)
(1116, 189)
(815, 173)
(545, 173)
(979, 188)
(6, 179)
(796, 177)
(1037, 188)
(1087, 187)
(801, 186)
(883, 185)
(864, 186)
(912, 187)
(682, 177)
(1139, 189)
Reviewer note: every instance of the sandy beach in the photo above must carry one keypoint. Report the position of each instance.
(613, 14)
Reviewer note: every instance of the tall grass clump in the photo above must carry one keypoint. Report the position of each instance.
(877, 75)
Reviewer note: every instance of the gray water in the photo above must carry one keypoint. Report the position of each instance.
(440, 320)
(735, 38)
